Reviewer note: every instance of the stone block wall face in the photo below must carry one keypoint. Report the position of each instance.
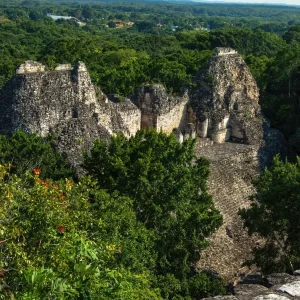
(203, 128)
(40, 100)
(64, 67)
(62, 101)
(84, 88)
(161, 110)
(221, 136)
(175, 118)
(30, 67)
(119, 117)
(131, 120)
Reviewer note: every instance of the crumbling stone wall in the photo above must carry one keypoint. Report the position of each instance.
(122, 117)
(64, 102)
(175, 118)
(159, 109)
(30, 67)
(38, 101)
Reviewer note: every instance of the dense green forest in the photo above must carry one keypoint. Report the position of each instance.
(108, 235)
(120, 59)
(131, 230)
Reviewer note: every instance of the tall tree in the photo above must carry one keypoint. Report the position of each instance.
(274, 214)
(167, 183)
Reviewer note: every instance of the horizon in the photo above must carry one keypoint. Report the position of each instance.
(268, 2)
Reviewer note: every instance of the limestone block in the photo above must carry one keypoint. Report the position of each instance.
(224, 51)
(249, 289)
(63, 67)
(30, 67)
(224, 123)
(178, 134)
(202, 128)
(81, 67)
(279, 278)
(221, 136)
(271, 297)
(292, 289)
(297, 272)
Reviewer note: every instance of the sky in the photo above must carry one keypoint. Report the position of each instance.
(290, 2)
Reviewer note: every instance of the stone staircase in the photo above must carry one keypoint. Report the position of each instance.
(232, 168)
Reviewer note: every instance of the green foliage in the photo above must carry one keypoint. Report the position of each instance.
(294, 141)
(148, 53)
(274, 214)
(259, 66)
(137, 239)
(57, 242)
(246, 41)
(160, 221)
(28, 151)
(168, 186)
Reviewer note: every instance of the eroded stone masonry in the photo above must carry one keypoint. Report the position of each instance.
(222, 110)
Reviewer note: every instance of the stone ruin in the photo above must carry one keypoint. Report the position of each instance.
(225, 100)
(222, 107)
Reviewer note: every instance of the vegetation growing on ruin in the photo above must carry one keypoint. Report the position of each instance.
(134, 230)
(167, 184)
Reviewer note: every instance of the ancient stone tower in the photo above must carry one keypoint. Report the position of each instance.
(225, 100)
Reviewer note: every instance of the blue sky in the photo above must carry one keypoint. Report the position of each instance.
(291, 2)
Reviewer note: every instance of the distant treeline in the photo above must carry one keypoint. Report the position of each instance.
(120, 59)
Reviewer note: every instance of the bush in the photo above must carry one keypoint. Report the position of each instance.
(28, 151)
(167, 184)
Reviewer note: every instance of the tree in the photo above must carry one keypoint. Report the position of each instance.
(274, 214)
(287, 63)
(145, 26)
(168, 186)
(292, 35)
(259, 66)
(111, 24)
(28, 151)
(65, 240)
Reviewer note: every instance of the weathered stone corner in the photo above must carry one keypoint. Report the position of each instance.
(30, 66)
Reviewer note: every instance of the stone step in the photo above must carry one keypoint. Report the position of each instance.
(203, 142)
